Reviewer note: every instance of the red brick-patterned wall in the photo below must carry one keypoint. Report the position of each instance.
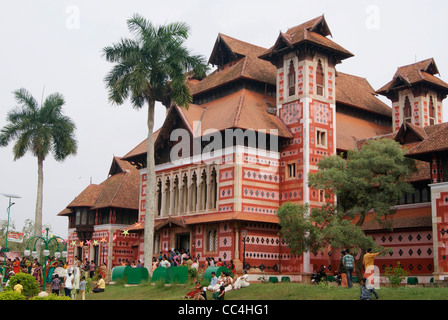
(442, 232)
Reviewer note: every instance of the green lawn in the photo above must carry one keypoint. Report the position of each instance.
(269, 291)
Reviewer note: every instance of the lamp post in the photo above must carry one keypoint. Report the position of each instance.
(244, 235)
(10, 196)
(46, 251)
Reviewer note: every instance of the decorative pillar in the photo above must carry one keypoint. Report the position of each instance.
(198, 195)
(180, 201)
(172, 199)
(163, 200)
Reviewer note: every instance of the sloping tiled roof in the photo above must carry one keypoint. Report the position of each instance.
(419, 72)
(357, 92)
(246, 65)
(87, 197)
(436, 141)
(140, 149)
(431, 139)
(243, 109)
(415, 217)
(120, 190)
(314, 31)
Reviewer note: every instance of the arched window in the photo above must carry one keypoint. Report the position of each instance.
(159, 197)
(292, 79)
(194, 191)
(214, 187)
(319, 79)
(407, 111)
(203, 198)
(185, 194)
(432, 111)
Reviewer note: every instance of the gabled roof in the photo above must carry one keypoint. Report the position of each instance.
(120, 190)
(243, 109)
(412, 74)
(436, 141)
(236, 60)
(313, 32)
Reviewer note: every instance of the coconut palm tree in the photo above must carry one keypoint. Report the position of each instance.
(41, 130)
(151, 67)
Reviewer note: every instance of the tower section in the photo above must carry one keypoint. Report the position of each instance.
(306, 62)
(416, 94)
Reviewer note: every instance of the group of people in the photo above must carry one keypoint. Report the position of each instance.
(67, 277)
(347, 265)
(24, 265)
(218, 286)
(174, 258)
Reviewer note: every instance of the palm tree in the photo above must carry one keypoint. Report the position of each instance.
(148, 68)
(41, 130)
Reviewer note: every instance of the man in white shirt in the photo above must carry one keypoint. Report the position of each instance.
(68, 285)
(213, 283)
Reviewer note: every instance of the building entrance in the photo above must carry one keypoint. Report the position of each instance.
(183, 241)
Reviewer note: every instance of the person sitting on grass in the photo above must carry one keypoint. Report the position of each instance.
(197, 289)
(101, 285)
(219, 295)
(213, 282)
(367, 290)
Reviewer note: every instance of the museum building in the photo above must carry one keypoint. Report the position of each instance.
(275, 112)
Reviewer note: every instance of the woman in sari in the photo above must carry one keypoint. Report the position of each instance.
(16, 265)
(196, 290)
(36, 271)
(103, 270)
(51, 265)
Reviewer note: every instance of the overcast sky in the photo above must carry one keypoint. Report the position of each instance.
(57, 44)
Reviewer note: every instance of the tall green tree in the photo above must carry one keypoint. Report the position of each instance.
(151, 67)
(40, 129)
(368, 181)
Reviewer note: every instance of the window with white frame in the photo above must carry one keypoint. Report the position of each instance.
(291, 170)
(320, 86)
(432, 111)
(321, 138)
(407, 110)
(291, 79)
(212, 239)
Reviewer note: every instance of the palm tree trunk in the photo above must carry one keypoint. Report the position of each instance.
(150, 191)
(38, 213)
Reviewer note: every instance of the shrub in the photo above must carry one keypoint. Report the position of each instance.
(29, 283)
(51, 297)
(192, 274)
(11, 295)
(396, 275)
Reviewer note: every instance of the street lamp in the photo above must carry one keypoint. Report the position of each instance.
(46, 251)
(10, 196)
(244, 235)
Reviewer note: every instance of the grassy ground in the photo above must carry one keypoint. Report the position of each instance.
(269, 291)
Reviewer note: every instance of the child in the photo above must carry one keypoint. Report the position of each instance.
(55, 284)
(82, 288)
(18, 287)
(220, 294)
(367, 290)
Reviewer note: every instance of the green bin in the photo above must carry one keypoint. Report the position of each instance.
(273, 279)
(118, 273)
(170, 275)
(135, 275)
(159, 274)
(129, 275)
(216, 270)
